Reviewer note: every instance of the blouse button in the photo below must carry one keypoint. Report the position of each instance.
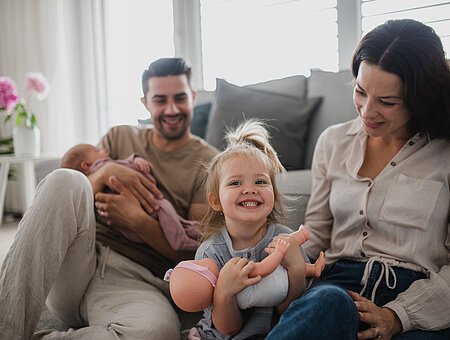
(393, 163)
(363, 254)
(365, 233)
(361, 212)
(411, 143)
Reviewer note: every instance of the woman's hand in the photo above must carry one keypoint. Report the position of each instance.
(143, 189)
(384, 323)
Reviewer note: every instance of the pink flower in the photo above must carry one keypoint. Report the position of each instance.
(8, 94)
(36, 83)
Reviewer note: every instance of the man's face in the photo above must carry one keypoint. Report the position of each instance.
(170, 101)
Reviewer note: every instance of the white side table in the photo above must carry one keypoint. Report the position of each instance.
(28, 174)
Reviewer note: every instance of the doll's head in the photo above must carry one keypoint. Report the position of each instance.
(81, 156)
(249, 145)
(192, 283)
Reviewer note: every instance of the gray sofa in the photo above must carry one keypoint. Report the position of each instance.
(331, 103)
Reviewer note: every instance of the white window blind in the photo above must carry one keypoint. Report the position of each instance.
(249, 41)
(431, 12)
(137, 32)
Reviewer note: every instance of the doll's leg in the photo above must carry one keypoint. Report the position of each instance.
(314, 270)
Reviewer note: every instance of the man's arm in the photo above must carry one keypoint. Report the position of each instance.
(138, 185)
(124, 210)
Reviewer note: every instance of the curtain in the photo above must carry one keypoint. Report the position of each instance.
(63, 40)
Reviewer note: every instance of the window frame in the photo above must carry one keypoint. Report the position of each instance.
(188, 43)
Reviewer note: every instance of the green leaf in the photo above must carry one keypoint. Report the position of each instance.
(33, 120)
(19, 120)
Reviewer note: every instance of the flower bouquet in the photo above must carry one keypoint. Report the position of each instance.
(26, 135)
(11, 104)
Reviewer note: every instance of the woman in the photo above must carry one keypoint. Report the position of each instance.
(380, 200)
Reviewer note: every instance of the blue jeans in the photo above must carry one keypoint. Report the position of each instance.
(326, 311)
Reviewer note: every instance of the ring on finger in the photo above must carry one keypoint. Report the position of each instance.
(378, 335)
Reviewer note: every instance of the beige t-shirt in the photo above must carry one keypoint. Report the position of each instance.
(400, 218)
(178, 175)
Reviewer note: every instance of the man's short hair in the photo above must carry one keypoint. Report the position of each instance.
(165, 67)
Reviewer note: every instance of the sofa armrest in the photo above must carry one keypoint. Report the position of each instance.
(295, 187)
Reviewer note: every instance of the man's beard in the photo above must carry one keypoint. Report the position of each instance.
(163, 129)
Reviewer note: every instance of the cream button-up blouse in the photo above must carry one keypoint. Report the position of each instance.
(400, 218)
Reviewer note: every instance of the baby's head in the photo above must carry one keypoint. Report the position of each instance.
(81, 156)
(248, 158)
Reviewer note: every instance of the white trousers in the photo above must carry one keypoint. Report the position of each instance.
(54, 258)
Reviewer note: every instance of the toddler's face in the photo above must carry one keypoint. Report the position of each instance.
(246, 192)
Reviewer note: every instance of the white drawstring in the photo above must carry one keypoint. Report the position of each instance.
(386, 269)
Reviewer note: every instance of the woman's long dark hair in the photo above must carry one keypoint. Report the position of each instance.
(414, 52)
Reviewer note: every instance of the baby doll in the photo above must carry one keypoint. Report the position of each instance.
(182, 234)
(192, 282)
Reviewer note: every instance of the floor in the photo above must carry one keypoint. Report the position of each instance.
(7, 232)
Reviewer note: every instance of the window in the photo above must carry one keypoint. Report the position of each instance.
(136, 33)
(249, 41)
(431, 12)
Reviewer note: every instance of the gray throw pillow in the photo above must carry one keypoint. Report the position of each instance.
(287, 117)
(200, 119)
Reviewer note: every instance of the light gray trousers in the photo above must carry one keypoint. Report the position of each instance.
(54, 257)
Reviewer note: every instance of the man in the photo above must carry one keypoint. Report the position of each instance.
(112, 288)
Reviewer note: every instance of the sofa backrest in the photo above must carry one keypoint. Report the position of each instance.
(337, 104)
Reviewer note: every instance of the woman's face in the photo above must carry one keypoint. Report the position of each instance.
(378, 98)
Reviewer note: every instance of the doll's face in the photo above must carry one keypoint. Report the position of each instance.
(246, 194)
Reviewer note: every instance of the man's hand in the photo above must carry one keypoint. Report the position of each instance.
(121, 209)
(143, 189)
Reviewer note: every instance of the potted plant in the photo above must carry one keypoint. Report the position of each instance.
(26, 135)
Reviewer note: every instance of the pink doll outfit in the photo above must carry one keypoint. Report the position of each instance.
(181, 234)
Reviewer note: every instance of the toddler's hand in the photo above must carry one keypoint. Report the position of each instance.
(233, 277)
(293, 257)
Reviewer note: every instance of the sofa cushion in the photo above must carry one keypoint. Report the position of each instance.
(337, 106)
(288, 118)
(200, 119)
(293, 86)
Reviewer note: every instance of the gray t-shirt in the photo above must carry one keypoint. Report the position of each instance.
(257, 320)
